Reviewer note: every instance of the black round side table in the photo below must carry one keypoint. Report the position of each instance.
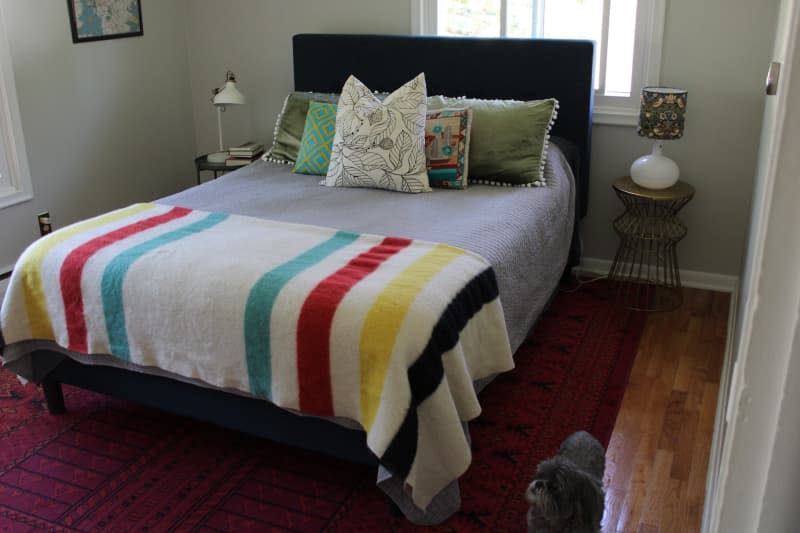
(646, 264)
(202, 163)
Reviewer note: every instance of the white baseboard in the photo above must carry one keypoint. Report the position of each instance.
(4, 282)
(3, 287)
(689, 278)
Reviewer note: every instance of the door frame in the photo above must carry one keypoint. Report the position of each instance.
(733, 496)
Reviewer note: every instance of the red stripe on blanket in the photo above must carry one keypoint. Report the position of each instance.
(316, 318)
(72, 271)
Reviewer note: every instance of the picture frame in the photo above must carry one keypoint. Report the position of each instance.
(97, 21)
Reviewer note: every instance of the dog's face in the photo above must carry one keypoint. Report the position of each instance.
(563, 498)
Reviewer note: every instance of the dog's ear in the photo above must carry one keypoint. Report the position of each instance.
(588, 502)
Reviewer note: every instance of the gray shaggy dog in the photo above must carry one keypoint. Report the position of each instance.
(567, 493)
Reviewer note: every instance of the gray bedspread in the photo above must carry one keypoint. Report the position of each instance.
(523, 232)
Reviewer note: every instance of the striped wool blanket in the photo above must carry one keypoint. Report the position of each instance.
(386, 331)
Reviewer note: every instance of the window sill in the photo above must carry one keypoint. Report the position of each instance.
(615, 116)
(10, 196)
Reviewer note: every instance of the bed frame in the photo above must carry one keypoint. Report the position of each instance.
(489, 68)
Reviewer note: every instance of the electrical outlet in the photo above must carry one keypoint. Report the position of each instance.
(44, 223)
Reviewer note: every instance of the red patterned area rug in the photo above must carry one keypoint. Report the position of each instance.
(110, 465)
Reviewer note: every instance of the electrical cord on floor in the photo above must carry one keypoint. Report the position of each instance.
(580, 282)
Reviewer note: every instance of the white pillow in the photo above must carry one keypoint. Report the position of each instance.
(380, 144)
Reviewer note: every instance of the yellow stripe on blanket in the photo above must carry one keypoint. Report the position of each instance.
(35, 302)
(384, 319)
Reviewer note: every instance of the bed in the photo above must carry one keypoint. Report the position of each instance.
(527, 235)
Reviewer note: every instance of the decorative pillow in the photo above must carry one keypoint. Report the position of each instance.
(447, 147)
(315, 146)
(508, 140)
(380, 144)
(290, 123)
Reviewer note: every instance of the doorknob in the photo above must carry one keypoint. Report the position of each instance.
(773, 77)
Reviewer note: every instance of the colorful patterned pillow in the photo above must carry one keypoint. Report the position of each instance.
(380, 144)
(315, 146)
(447, 147)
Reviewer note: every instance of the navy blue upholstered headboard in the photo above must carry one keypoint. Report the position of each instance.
(524, 69)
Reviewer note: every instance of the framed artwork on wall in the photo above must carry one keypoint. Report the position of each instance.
(97, 20)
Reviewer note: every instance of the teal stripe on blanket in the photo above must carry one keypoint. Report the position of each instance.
(114, 277)
(259, 309)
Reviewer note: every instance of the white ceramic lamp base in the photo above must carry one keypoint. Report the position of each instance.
(217, 157)
(655, 171)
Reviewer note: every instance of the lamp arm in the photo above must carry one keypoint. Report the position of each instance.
(219, 127)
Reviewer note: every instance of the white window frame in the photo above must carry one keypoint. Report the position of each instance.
(15, 182)
(613, 110)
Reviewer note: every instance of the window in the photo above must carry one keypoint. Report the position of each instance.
(627, 34)
(15, 181)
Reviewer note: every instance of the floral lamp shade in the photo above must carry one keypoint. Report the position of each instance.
(662, 113)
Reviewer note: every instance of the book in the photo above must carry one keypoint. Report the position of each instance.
(248, 149)
(235, 161)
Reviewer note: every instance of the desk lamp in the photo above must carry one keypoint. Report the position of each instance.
(222, 97)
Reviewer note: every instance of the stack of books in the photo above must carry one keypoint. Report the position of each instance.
(244, 154)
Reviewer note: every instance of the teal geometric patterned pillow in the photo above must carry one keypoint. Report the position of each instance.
(315, 146)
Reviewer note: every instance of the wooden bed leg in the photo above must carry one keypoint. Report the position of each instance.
(54, 397)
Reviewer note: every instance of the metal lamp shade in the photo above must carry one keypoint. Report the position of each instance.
(229, 95)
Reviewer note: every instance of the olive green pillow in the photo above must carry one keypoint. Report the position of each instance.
(290, 124)
(509, 138)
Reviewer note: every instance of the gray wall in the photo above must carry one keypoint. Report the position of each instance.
(83, 162)
(719, 53)
(253, 39)
(106, 124)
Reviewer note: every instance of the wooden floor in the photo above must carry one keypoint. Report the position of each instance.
(658, 454)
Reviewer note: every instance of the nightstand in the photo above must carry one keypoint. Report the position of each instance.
(202, 163)
(645, 267)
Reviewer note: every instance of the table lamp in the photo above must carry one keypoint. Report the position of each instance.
(222, 97)
(660, 118)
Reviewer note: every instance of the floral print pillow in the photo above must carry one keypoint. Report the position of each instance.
(380, 144)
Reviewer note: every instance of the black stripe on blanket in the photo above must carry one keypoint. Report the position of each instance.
(427, 371)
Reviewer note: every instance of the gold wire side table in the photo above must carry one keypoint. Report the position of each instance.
(645, 267)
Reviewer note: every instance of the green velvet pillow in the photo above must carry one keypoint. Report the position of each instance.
(289, 126)
(508, 140)
(315, 145)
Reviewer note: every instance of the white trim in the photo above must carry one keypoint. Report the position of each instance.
(653, 38)
(722, 415)
(772, 133)
(608, 110)
(689, 278)
(4, 282)
(423, 17)
(19, 189)
(615, 116)
(618, 110)
(3, 287)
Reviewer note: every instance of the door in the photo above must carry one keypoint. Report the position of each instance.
(748, 467)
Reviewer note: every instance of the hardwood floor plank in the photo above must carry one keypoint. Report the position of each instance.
(658, 455)
(657, 489)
